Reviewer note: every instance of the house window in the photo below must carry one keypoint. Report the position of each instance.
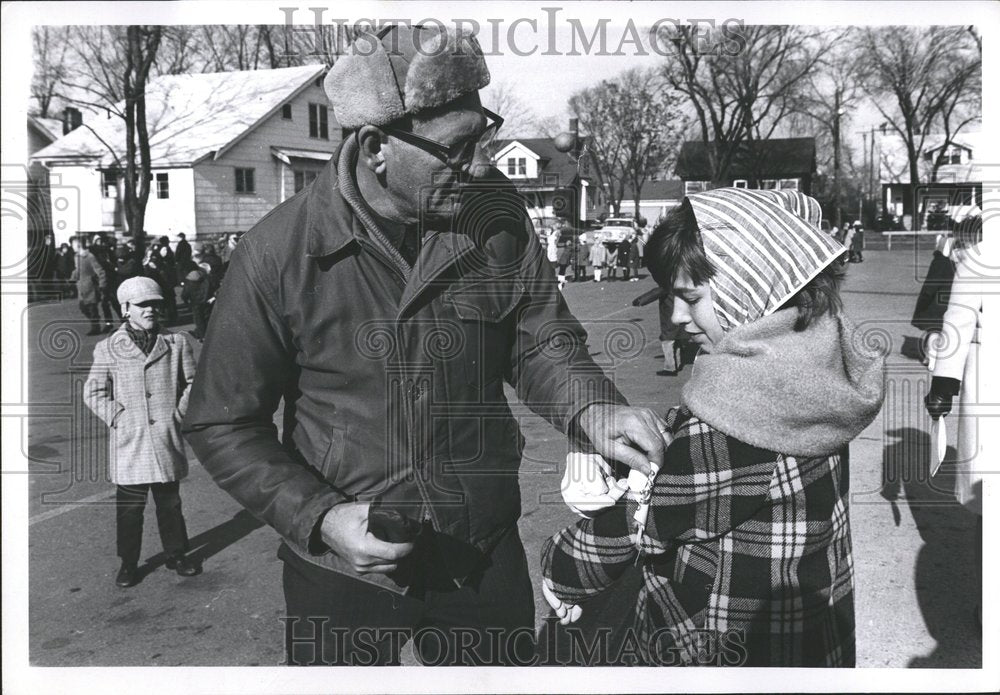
(318, 127)
(162, 186)
(691, 187)
(789, 184)
(954, 156)
(244, 181)
(740, 183)
(303, 179)
(109, 183)
(286, 111)
(517, 166)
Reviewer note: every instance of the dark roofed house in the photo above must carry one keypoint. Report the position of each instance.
(777, 163)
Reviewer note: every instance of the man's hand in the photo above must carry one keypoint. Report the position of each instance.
(633, 436)
(345, 530)
(566, 612)
(588, 485)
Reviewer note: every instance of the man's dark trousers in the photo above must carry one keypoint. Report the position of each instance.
(131, 504)
(334, 619)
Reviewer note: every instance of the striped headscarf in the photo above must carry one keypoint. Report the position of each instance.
(765, 245)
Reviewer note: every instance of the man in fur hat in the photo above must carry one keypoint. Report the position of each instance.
(387, 307)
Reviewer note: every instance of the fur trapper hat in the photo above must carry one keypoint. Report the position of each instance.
(402, 70)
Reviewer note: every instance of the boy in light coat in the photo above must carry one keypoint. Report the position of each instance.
(139, 385)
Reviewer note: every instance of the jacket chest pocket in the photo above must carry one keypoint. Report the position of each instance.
(486, 312)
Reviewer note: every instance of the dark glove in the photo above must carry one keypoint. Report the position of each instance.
(391, 525)
(938, 400)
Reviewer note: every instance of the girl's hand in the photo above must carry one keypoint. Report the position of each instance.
(566, 612)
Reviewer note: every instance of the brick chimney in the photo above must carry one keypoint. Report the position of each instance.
(72, 119)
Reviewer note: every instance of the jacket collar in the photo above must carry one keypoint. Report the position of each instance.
(121, 345)
(330, 223)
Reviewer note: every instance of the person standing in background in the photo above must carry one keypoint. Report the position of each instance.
(102, 250)
(564, 254)
(598, 259)
(91, 282)
(581, 258)
(634, 258)
(182, 255)
(956, 373)
(612, 261)
(65, 265)
(139, 385)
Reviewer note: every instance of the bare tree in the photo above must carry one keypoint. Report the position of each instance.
(180, 52)
(921, 79)
(520, 120)
(740, 90)
(111, 67)
(632, 123)
(827, 96)
(49, 46)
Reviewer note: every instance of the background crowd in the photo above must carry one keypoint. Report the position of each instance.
(90, 268)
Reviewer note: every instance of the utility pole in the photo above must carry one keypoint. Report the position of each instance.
(836, 158)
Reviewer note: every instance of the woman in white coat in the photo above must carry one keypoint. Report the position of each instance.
(139, 385)
(956, 371)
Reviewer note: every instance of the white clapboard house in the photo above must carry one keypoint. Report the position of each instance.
(226, 148)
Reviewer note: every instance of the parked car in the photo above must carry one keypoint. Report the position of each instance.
(616, 229)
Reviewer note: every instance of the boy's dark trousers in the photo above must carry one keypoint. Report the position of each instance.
(131, 505)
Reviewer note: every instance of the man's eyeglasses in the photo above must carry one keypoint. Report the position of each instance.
(452, 155)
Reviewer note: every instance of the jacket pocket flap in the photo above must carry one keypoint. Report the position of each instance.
(487, 301)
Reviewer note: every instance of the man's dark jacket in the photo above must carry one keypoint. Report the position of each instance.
(392, 386)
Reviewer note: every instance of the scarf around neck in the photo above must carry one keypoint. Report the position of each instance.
(799, 393)
(143, 339)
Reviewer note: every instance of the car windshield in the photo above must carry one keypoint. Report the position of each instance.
(619, 223)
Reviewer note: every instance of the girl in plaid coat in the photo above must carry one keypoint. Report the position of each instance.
(745, 550)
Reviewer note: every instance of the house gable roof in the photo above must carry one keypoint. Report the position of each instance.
(780, 157)
(189, 117)
(515, 145)
(550, 160)
(49, 128)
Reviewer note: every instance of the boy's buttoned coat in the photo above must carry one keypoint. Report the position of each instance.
(143, 399)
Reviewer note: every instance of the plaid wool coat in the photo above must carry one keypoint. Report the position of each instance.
(746, 555)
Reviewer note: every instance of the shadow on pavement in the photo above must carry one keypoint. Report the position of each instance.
(946, 577)
(208, 543)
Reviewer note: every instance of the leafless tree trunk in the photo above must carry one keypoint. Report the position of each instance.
(143, 43)
(633, 123)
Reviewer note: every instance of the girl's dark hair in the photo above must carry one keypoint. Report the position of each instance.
(675, 246)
